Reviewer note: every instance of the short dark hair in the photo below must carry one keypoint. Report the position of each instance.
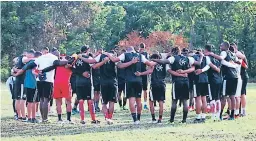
(32, 51)
(84, 48)
(226, 44)
(175, 50)
(37, 54)
(231, 48)
(90, 54)
(208, 47)
(155, 56)
(46, 48)
(142, 45)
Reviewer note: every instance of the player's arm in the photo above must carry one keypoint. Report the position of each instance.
(87, 60)
(147, 72)
(127, 64)
(161, 61)
(98, 65)
(240, 55)
(222, 55)
(115, 59)
(176, 73)
(228, 64)
(214, 67)
(28, 66)
(206, 68)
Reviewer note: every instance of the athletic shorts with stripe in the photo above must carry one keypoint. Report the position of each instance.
(215, 91)
(180, 90)
(157, 92)
(84, 92)
(244, 84)
(32, 95)
(44, 89)
(239, 87)
(19, 93)
(133, 89)
(109, 93)
(62, 90)
(229, 87)
(202, 89)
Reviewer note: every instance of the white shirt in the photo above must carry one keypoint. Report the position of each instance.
(45, 61)
(143, 58)
(223, 55)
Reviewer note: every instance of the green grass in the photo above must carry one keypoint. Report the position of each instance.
(240, 129)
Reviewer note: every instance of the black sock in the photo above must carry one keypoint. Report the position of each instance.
(59, 117)
(185, 114)
(221, 111)
(134, 117)
(153, 117)
(138, 116)
(232, 113)
(124, 101)
(69, 116)
(228, 111)
(160, 117)
(120, 103)
(173, 111)
(154, 103)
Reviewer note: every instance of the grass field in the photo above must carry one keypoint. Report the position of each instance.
(122, 129)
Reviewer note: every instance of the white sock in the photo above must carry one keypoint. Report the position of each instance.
(203, 115)
(218, 103)
(198, 116)
(243, 111)
(237, 112)
(145, 103)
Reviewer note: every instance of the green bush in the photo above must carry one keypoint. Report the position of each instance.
(5, 73)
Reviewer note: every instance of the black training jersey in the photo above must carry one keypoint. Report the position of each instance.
(227, 71)
(130, 71)
(121, 75)
(244, 73)
(214, 76)
(20, 65)
(202, 78)
(79, 68)
(107, 71)
(158, 75)
(180, 62)
(96, 76)
(192, 75)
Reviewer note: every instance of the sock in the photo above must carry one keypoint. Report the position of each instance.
(59, 117)
(145, 103)
(69, 116)
(228, 111)
(198, 116)
(91, 110)
(185, 114)
(96, 104)
(203, 115)
(138, 116)
(124, 101)
(120, 103)
(243, 111)
(173, 111)
(153, 117)
(221, 111)
(160, 117)
(232, 113)
(134, 117)
(110, 115)
(154, 103)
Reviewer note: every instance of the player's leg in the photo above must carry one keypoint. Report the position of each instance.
(69, 108)
(59, 109)
(151, 104)
(231, 91)
(238, 97)
(23, 104)
(198, 103)
(243, 96)
(80, 92)
(67, 94)
(138, 90)
(90, 103)
(47, 95)
(175, 86)
(144, 88)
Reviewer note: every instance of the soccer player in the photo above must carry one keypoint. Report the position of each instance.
(229, 75)
(131, 61)
(157, 87)
(108, 83)
(144, 77)
(121, 86)
(179, 68)
(73, 87)
(215, 81)
(10, 85)
(84, 85)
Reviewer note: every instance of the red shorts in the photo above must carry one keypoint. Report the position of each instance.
(62, 90)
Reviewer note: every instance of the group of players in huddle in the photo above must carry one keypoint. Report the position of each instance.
(198, 76)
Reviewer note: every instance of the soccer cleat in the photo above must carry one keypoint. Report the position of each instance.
(145, 107)
(19, 118)
(29, 120)
(97, 109)
(124, 108)
(95, 122)
(109, 121)
(82, 122)
(24, 119)
(237, 116)
(159, 121)
(183, 121)
(74, 111)
(171, 122)
(136, 122)
(153, 121)
(231, 118)
(197, 120)
(203, 120)
(16, 117)
(60, 121)
(34, 120)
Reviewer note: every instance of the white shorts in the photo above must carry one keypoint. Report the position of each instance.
(239, 87)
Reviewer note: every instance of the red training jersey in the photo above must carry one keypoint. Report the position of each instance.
(62, 75)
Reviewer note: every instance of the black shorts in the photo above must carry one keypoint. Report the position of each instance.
(191, 84)
(180, 90)
(11, 87)
(84, 92)
(96, 87)
(19, 93)
(215, 91)
(109, 93)
(73, 87)
(244, 85)
(45, 89)
(145, 83)
(133, 89)
(157, 93)
(202, 89)
(121, 87)
(32, 95)
(230, 86)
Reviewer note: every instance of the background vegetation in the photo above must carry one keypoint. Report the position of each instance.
(68, 25)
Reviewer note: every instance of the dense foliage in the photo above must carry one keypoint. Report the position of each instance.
(68, 25)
